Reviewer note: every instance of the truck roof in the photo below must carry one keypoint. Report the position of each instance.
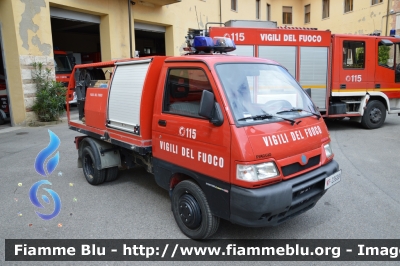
(59, 52)
(220, 58)
(392, 38)
(209, 59)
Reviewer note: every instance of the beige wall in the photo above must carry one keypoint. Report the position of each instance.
(11, 58)
(364, 19)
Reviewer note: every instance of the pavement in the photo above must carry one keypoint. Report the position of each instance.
(364, 205)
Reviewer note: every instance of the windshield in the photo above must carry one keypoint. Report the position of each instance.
(62, 64)
(260, 93)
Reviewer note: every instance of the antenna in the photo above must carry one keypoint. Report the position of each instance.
(198, 26)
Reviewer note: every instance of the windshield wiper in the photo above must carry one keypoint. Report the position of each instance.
(267, 116)
(299, 110)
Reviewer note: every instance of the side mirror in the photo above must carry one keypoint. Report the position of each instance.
(72, 58)
(308, 91)
(210, 109)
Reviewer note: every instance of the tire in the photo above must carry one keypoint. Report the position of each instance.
(92, 175)
(374, 116)
(111, 174)
(2, 120)
(192, 212)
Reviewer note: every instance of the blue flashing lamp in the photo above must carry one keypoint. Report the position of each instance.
(202, 43)
(223, 44)
(216, 44)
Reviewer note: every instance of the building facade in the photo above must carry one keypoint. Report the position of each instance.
(91, 30)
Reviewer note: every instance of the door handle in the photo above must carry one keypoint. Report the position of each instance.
(162, 123)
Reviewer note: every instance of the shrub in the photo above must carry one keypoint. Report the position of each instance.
(50, 94)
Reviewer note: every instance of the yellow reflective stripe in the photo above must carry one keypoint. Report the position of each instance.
(363, 89)
(323, 86)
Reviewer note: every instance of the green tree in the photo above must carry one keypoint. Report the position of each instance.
(50, 94)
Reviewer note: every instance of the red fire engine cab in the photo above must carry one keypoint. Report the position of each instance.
(230, 137)
(355, 76)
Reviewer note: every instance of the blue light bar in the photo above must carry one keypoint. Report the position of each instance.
(217, 44)
(223, 45)
(201, 43)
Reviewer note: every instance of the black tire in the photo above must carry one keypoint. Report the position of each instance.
(192, 212)
(111, 174)
(374, 116)
(92, 175)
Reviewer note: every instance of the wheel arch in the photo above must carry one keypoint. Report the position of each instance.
(103, 159)
(217, 192)
(379, 96)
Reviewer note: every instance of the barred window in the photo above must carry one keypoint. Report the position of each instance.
(325, 8)
(348, 5)
(287, 15)
(307, 13)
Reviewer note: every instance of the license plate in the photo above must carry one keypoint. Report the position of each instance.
(333, 179)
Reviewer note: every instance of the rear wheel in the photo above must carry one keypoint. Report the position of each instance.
(374, 116)
(192, 212)
(92, 175)
(111, 174)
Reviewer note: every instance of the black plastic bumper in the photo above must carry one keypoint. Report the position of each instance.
(272, 205)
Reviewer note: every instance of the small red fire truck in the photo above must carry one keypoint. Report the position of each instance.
(355, 76)
(229, 137)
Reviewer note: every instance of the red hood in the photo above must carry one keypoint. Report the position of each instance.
(282, 140)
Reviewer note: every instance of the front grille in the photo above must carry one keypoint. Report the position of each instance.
(296, 167)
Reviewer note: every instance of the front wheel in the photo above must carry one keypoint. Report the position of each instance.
(192, 212)
(374, 116)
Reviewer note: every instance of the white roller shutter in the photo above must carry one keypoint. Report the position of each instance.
(284, 55)
(73, 15)
(149, 27)
(243, 50)
(126, 94)
(313, 72)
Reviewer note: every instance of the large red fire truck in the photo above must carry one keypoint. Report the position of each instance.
(229, 137)
(355, 76)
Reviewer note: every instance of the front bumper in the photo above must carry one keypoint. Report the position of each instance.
(272, 205)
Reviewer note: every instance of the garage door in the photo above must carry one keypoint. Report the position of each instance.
(73, 15)
(149, 27)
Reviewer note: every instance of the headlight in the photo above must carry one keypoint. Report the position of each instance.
(256, 172)
(328, 150)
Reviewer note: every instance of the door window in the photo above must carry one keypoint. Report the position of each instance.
(386, 55)
(184, 90)
(397, 61)
(353, 54)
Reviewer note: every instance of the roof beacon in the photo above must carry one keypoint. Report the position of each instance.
(216, 44)
(223, 45)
